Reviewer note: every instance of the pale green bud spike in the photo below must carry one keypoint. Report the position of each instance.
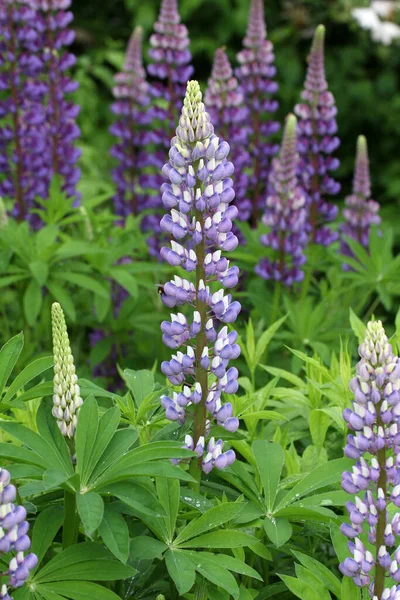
(3, 215)
(66, 399)
(319, 38)
(194, 123)
(362, 146)
(288, 149)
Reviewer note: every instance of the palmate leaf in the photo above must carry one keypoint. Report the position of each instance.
(115, 533)
(269, 458)
(181, 570)
(216, 516)
(9, 355)
(91, 509)
(325, 576)
(168, 491)
(224, 538)
(45, 529)
(35, 368)
(208, 566)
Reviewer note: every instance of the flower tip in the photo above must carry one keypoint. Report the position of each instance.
(320, 33)
(362, 146)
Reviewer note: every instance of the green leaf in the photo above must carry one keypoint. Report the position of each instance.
(85, 282)
(269, 458)
(144, 547)
(224, 538)
(276, 372)
(181, 570)
(86, 561)
(141, 384)
(40, 271)
(86, 433)
(237, 566)
(46, 526)
(301, 589)
(107, 427)
(115, 533)
(309, 577)
(22, 455)
(9, 355)
(357, 326)
(326, 577)
(168, 491)
(216, 516)
(80, 590)
(322, 476)
(265, 339)
(125, 280)
(339, 542)
(278, 529)
(208, 566)
(118, 446)
(90, 508)
(32, 302)
(137, 496)
(319, 423)
(49, 431)
(60, 295)
(349, 590)
(35, 368)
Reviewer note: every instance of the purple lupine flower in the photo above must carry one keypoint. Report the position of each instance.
(256, 77)
(286, 215)
(375, 444)
(317, 141)
(53, 20)
(199, 194)
(22, 158)
(14, 536)
(360, 211)
(171, 60)
(225, 103)
(137, 174)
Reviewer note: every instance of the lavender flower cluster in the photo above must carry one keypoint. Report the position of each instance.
(285, 215)
(38, 132)
(317, 141)
(360, 210)
(14, 536)
(374, 479)
(199, 196)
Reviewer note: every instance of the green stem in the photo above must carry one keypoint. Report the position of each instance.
(70, 527)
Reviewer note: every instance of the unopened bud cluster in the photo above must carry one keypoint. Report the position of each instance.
(67, 400)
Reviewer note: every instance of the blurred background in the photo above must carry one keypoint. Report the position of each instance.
(363, 73)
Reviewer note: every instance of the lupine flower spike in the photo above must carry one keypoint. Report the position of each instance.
(138, 172)
(225, 102)
(67, 400)
(374, 480)
(360, 210)
(22, 138)
(285, 215)
(198, 195)
(14, 536)
(256, 77)
(53, 20)
(317, 141)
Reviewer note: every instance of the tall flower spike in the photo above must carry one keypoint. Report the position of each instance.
(256, 77)
(374, 480)
(285, 215)
(198, 194)
(360, 210)
(138, 171)
(67, 400)
(317, 141)
(225, 103)
(14, 536)
(22, 161)
(61, 129)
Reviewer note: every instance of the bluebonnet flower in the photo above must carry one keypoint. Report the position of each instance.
(256, 77)
(360, 210)
(199, 196)
(61, 131)
(374, 479)
(286, 215)
(225, 103)
(66, 399)
(14, 536)
(317, 140)
(22, 141)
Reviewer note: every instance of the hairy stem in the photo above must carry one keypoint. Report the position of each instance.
(70, 527)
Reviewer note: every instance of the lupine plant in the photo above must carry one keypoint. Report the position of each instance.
(317, 141)
(360, 210)
(198, 194)
(205, 461)
(256, 77)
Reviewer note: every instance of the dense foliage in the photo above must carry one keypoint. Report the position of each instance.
(187, 270)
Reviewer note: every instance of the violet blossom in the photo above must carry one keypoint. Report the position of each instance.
(256, 77)
(317, 140)
(360, 210)
(199, 196)
(286, 215)
(225, 104)
(374, 480)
